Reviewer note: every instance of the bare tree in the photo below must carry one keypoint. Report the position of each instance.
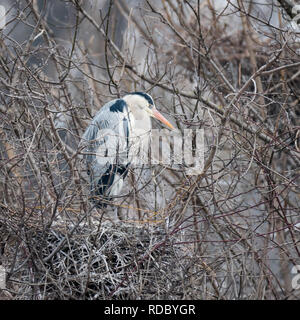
(228, 67)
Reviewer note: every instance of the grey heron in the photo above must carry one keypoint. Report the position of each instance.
(112, 139)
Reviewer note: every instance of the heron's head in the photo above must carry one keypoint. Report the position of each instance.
(143, 103)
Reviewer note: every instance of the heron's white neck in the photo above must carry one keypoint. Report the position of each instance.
(137, 106)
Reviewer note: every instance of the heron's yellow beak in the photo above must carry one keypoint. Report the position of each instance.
(157, 115)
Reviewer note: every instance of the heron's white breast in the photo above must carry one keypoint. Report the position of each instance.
(140, 138)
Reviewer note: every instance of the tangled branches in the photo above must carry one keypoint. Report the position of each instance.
(230, 68)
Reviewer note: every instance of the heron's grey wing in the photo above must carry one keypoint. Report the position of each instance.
(89, 138)
(108, 129)
(105, 140)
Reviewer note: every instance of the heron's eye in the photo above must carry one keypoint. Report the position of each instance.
(150, 106)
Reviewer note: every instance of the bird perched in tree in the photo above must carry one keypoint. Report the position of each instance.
(113, 140)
